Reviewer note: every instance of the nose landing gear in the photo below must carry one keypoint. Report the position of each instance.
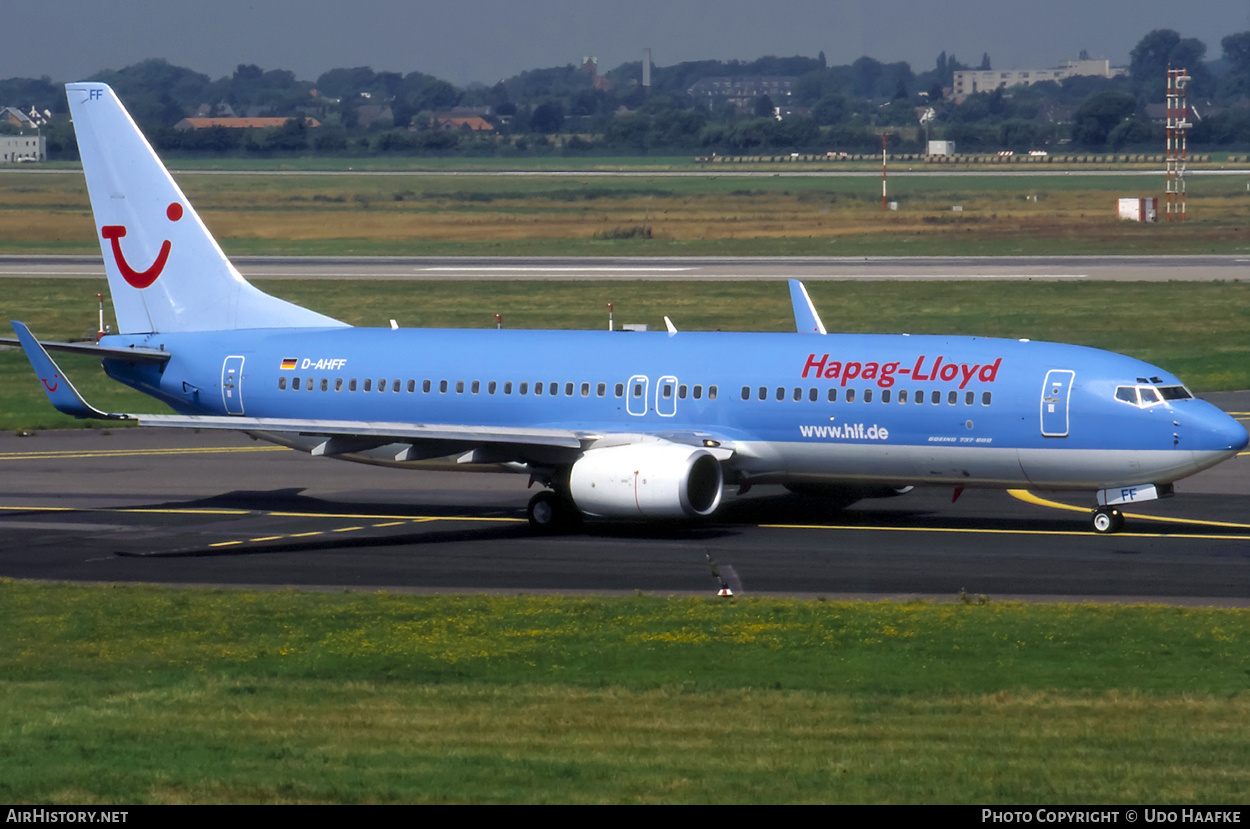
(1108, 520)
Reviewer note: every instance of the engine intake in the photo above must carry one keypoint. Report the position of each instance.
(662, 480)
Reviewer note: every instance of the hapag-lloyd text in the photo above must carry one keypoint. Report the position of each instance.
(884, 373)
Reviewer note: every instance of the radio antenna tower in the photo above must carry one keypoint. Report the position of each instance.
(1178, 108)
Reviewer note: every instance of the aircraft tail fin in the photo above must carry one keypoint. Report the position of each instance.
(166, 272)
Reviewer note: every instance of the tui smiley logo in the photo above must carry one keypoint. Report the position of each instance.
(140, 279)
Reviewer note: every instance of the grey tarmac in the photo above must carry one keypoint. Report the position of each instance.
(176, 507)
(1110, 268)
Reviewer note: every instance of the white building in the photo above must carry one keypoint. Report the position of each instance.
(971, 81)
(18, 148)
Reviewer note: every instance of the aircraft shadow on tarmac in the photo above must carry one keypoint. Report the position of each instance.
(432, 524)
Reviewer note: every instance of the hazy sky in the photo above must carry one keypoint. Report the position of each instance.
(485, 40)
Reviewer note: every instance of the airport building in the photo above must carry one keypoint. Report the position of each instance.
(743, 92)
(971, 81)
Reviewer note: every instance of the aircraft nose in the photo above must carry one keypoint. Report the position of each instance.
(1217, 431)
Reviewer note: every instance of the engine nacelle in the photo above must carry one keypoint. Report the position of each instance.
(648, 480)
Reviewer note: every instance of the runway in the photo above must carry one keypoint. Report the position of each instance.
(176, 507)
(1072, 268)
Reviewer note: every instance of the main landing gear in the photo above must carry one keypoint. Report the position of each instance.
(1108, 520)
(551, 513)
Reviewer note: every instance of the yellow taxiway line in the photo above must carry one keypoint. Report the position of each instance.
(65, 454)
(1030, 498)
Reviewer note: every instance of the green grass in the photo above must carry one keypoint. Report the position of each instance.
(141, 695)
(1195, 330)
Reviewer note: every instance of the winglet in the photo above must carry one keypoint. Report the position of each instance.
(806, 320)
(60, 390)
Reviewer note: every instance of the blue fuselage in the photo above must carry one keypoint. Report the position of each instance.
(885, 409)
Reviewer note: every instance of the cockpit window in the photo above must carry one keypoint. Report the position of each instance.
(1143, 396)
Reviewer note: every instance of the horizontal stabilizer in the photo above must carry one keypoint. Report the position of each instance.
(134, 354)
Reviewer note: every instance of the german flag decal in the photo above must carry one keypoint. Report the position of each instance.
(289, 363)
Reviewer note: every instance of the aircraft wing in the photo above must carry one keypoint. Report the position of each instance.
(471, 443)
(392, 432)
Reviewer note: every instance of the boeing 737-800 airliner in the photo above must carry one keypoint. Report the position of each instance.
(616, 425)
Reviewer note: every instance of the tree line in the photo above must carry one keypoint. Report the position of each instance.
(576, 110)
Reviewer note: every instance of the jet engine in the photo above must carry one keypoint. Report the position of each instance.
(662, 480)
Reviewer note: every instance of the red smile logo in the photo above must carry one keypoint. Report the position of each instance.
(56, 382)
(140, 279)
